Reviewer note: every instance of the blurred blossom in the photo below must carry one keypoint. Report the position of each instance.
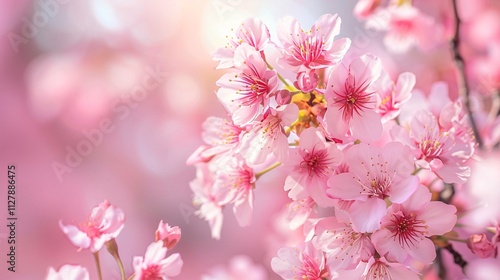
(155, 264)
(104, 223)
(481, 246)
(169, 235)
(68, 272)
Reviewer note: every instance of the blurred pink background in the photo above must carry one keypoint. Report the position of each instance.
(68, 66)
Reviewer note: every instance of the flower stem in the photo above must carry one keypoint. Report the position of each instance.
(122, 269)
(98, 264)
(112, 247)
(257, 176)
(290, 88)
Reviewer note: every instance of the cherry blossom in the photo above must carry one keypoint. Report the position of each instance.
(267, 137)
(169, 235)
(481, 246)
(293, 263)
(104, 223)
(393, 95)
(205, 196)
(406, 27)
(310, 166)
(351, 100)
(155, 264)
(406, 227)
(374, 175)
(434, 149)
(252, 31)
(315, 48)
(343, 246)
(246, 93)
(233, 183)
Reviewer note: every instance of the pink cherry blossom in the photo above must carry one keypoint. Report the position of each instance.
(406, 27)
(351, 100)
(481, 246)
(366, 8)
(343, 246)
(312, 49)
(299, 211)
(406, 227)
(392, 95)
(246, 93)
(252, 31)
(205, 196)
(293, 263)
(221, 134)
(374, 175)
(434, 149)
(155, 264)
(310, 166)
(240, 267)
(68, 272)
(233, 183)
(169, 235)
(104, 223)
(307, 81)
(267, 137)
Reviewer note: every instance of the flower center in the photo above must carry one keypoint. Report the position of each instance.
(431, 148)
(90, 229)
(151, 273)
(353, 99)
(315, 163)
(407, 229)
(309, 50)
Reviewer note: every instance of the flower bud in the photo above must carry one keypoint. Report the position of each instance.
(283, 97)
(169, 235)
(306, 81)
(481, 246)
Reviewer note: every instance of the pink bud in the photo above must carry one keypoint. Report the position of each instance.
(169, 235)
(283, 97)
(481, 246)
(307, 81)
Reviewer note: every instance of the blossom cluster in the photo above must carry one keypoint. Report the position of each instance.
(101, 228)
(367, 157)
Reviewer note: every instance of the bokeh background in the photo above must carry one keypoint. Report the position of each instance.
(66, 67)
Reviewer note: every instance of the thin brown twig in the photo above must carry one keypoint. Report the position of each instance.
(463, 86)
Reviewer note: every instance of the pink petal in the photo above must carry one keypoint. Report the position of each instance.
(439, 217)
(367, 127)
(77, 237)
(404, 189)
(424, 251)
(366, 215)
(344, 186)
(366, 69)
(172, 265)
(243, 210)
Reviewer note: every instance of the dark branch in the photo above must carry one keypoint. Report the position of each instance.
(463, 85)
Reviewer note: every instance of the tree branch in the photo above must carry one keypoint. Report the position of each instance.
(463, 84)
